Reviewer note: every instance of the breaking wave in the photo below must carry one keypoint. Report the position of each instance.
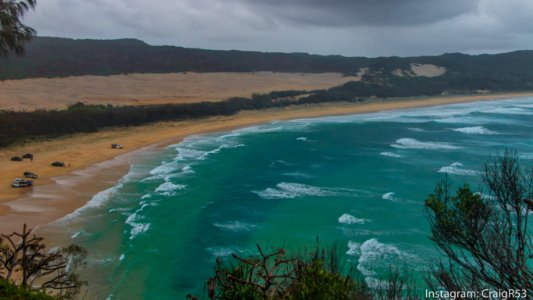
(235, 226)
(475, 130)
(371, 254)
(349, 219)
(389, 196)
(286, 190)
(220, 251)
(169, 188)
(390, 154)
(408, 143)
(455, 168)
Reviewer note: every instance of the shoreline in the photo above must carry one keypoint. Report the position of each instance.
(95, 167)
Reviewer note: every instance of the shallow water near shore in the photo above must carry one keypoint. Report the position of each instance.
(359, 181)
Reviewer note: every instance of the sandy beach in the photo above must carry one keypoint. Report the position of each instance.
(92, 166)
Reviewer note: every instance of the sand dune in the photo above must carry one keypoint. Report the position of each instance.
(138, 89)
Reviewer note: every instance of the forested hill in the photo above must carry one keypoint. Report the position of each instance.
(57, 57)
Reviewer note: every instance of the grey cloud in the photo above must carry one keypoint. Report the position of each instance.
(365, 12)
(347, 27)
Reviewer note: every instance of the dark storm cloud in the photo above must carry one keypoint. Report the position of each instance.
(348, 27)
(365, 12)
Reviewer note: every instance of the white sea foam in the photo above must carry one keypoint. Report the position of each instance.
(408, 143)
(390, 154)
(169, 188)
(119, 209)
(187, 169)
(527, 156)
(220, 251)
(349, 219)
(138, 228)
(165, 168)
(122, 257)
(416, 129)
(135, 221)
(524, 105)
(217, 150)
(286, 190)
(75, 235)
(389, 196)
(186, 152)
(455, 168)
(235, 226)
(301, 138)
(96, 201)
(475, 130)
(508, 111)
(298, 174)
(371, 253)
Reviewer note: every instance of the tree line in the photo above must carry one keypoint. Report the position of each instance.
(19, 126)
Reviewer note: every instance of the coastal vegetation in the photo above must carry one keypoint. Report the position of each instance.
(484, 237)
(28, 270)
(18, 126)
(13, 33)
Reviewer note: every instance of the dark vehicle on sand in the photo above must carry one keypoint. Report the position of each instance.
(57, 164)
(30, 175)
(16, 158)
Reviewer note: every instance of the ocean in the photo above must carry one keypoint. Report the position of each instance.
(359, 181)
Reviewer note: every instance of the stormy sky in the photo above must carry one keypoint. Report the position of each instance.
(346, 27)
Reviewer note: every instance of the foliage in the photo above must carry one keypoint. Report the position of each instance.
(10, 291)
(485, 237)
(316, 281)
(276, 275)
(25, 261)
(13, 33)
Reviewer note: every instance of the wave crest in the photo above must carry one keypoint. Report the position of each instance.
(455, 168)
(390, 154)
(389, 196)
(474, 130)
(169, 188)
(235, 226)
(371, 253)
(349, 219)
(286, 190)
(408, 143)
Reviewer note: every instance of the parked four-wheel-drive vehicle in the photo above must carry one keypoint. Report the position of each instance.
(116, 146)
(28, 156)
(16, 158)
(30, 175)
(57, 164)
(21, 183)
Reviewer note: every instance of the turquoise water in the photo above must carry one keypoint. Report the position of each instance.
(359, 181)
